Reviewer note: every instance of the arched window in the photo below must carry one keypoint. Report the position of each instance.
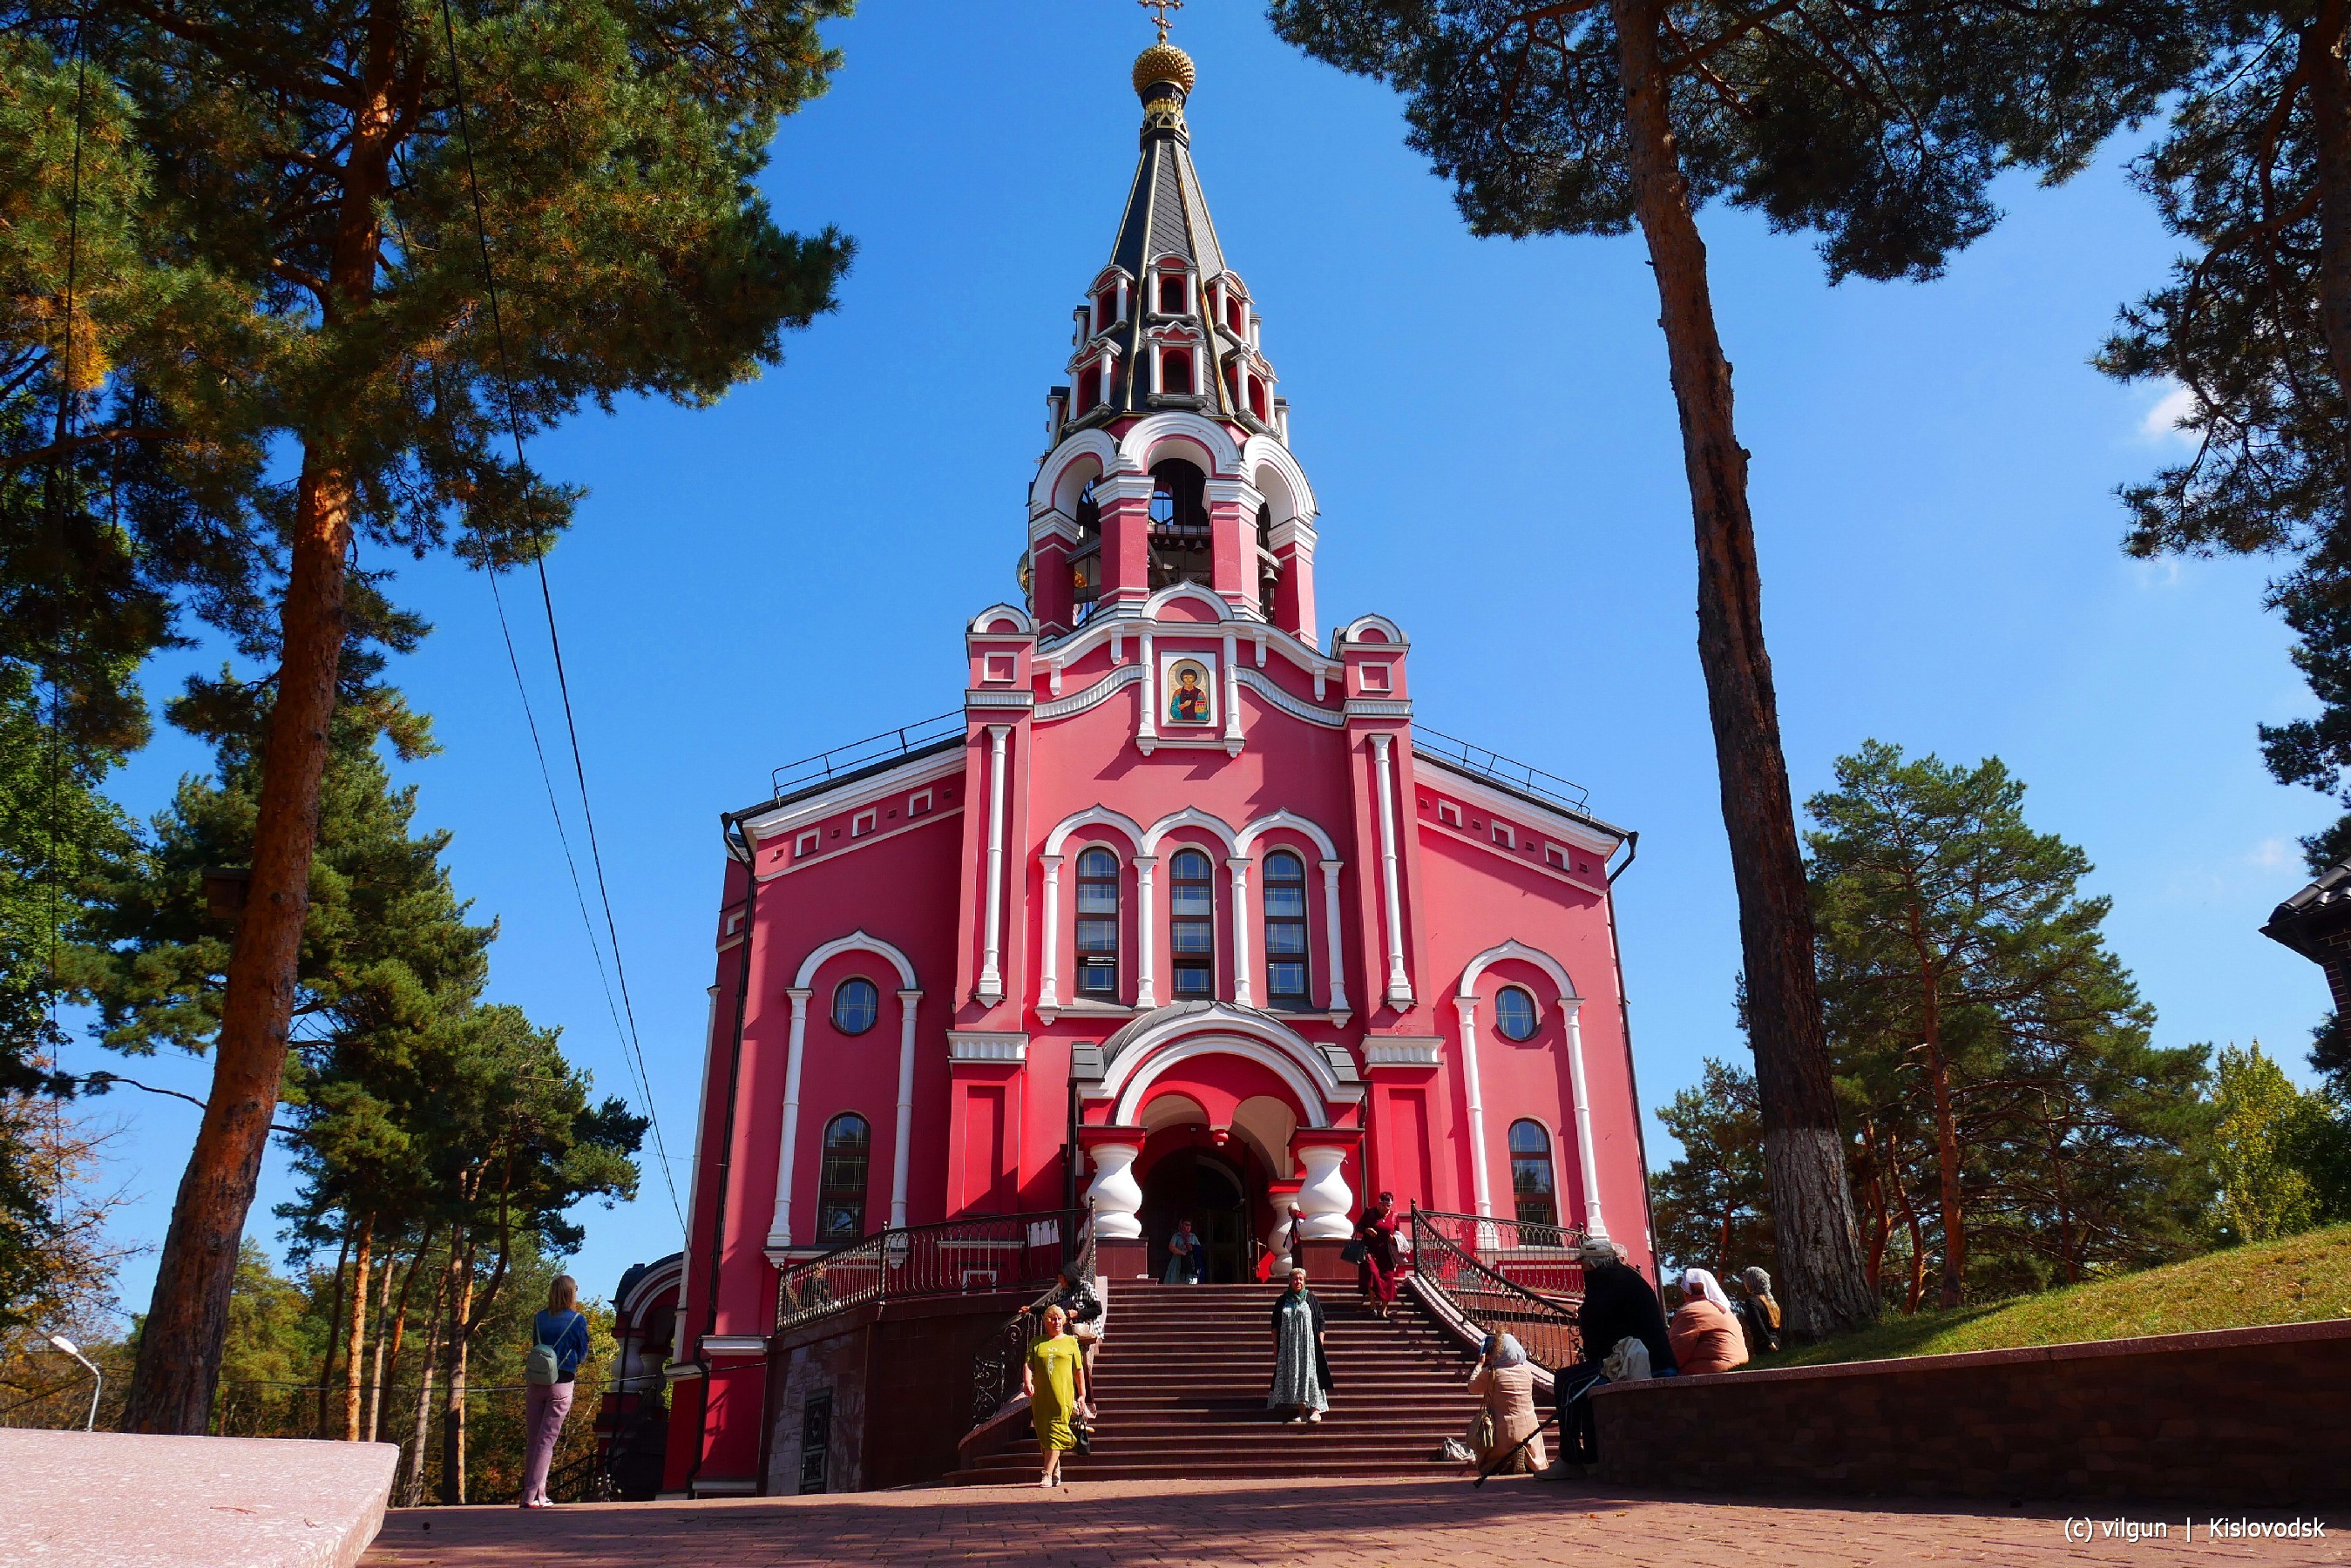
(1269, 566)
(1085, 561)
(855, 1004)
(1531, 1181)
(1192, 926)
(1514, 1013)
(1175, 370)
(1287, 983)
(1171, 294)
(1098, 924)
(1179, 524)
(1106, 309)
(1257, 397)
(1090, 389)
(840, 1179)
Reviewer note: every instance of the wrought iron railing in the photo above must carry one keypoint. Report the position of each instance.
(958, 1257)
(1544, 1259)
(996, 1364)
(1489, 763)
(584, 1479)
(1447, 1257)
(857, 756)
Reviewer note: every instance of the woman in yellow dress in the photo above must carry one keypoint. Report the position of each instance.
(1054, 1378)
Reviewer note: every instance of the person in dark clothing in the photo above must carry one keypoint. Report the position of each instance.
(1758, 1314)
(1083, 1310)
(1302, 1367)
(1618, 1304)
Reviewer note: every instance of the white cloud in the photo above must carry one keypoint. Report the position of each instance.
(2272, 853)
(2162, 422)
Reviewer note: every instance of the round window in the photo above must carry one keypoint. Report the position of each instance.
(856, 1004)
(1514, 1013)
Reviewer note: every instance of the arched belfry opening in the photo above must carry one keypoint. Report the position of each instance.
(1179, 524)
(1085, 560)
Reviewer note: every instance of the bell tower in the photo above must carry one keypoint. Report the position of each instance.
(1170, 458)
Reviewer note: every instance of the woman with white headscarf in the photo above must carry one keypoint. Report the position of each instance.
(1505, 1382)
(1705, 1331)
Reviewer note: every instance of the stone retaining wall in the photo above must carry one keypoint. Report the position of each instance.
(2256, 1417)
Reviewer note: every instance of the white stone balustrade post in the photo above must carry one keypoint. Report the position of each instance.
(1115, 1197)
(1323, 1197)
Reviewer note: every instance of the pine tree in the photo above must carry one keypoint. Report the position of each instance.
(313, 166)
(1712, 1204)
(1991, 1044)
(1877, 127)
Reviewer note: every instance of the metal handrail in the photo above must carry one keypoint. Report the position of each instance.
(996, 1364)
(886, 746)
(1487, 763)
(951, 1258)
(1488, 1300)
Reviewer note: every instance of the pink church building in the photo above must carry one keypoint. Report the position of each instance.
(1182, 916)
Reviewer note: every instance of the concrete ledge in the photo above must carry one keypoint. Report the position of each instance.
(129, 1501)
(2251, 1417)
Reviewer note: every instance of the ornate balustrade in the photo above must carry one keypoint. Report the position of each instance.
(1463, 1258)
(996, 1364)
(957, 1257)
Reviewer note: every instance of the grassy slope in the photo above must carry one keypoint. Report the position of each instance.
(2297, 1280)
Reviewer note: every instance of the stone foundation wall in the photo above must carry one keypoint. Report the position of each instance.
(2251, 1417)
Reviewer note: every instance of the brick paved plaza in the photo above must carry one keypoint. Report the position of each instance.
(1346, 1523)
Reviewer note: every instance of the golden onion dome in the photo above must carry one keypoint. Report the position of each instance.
(1162, 62)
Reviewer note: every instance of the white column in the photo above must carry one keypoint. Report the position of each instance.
(898, 1155)
(1335, 944)
(1147, 733)
(1584, 1156)
(1232, 671)
(1468, 1004)
(1115, 1197)
(1048, 988)
(1240, 865)
(1146, 912)
(780, 1229)
(1399, 984)
(991, 977)
(1323, 1197)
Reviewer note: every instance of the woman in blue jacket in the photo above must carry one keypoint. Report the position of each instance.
(558, 1344)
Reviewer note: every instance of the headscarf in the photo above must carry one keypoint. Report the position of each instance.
(1508, 1351)
(1699, 1285)
(1757, 1281)
(1598, 1249)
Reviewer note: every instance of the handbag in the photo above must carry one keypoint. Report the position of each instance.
(1481, 1431)
(1082, 1433)
(1354, 1252)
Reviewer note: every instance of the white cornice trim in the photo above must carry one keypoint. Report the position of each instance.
(1296, 708)
(860, 792)
(1129, 623)
(1379, 708)
(999, 700)
(1574, 830)
(1093, 697)
(851, 846)
(987, 1045)
(1403, 1050)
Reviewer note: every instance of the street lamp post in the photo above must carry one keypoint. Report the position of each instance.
(98, 1378)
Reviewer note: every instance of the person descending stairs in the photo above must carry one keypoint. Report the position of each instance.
(1180, 1387)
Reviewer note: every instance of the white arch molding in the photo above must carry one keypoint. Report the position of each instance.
(1191, 816)
(1048, 982)
(1570, 1006)
(779, 1224)
(1146, 435)
(1181, 1032)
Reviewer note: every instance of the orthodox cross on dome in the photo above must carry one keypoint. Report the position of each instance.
(1159, 9)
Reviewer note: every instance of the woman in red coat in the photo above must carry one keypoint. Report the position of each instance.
(1375, 1276)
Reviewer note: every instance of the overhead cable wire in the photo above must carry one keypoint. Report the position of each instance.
(630, 1038)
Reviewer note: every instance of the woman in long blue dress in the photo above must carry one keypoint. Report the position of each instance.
(1301, 1371)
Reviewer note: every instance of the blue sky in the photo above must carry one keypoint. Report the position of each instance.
(1489, 431)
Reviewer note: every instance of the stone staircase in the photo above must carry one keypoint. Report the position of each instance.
(1180, 1387)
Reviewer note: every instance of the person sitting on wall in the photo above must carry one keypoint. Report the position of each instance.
(1619, 1305)
(1758, 1314)
(1083, 1310)
(1187, 1260)
(1703, 1330)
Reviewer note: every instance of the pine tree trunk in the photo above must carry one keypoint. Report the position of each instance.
(387, 1366)
(1812, 1206)
(452, 1413)
(334, 1325)
(2322, 54)
(177, 1367)
(387, 1347)
(355, 1350)
(422, 1437)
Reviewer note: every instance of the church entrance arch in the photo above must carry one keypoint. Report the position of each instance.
(1209, 1187)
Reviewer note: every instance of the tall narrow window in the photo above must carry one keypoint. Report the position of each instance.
(1175, 370)
(1171, 294)
(1191, 925)
(1286, 982)
(1097, 925)
(1105, 309)
(840, 1179)
(1179, 524)
(1530, 1183)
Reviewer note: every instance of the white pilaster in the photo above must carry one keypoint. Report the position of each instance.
(898, 1154)
(1232, 663)
(1239, 867)
(991, 976)
(1585, 1153)
(1334, 943)
(1468, 1004)
(1383, 770)
(1049, 987)
(1115, 1197)
(1146, 735)
(779, 1228)
(1146, 912)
